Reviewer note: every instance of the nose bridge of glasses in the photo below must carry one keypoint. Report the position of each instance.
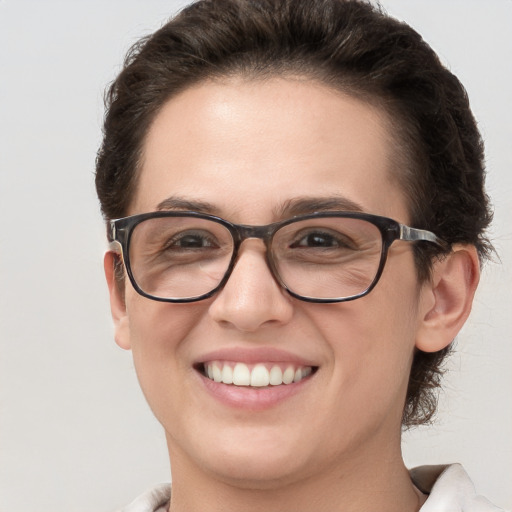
(262, 232)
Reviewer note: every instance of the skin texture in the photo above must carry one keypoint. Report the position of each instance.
(248, 148)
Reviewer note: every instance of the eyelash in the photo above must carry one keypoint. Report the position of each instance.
(173, 243)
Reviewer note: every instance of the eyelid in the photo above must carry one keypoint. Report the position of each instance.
(203, 235)
(340, 238)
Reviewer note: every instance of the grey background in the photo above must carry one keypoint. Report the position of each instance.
(75, 432)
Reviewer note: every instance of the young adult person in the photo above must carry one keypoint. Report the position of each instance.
(294, 196)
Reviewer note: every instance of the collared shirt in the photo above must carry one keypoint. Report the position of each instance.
(449, 489)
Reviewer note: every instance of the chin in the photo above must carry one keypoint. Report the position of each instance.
(252, 458)
(257, 472)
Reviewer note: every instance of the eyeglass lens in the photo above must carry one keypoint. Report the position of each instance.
(323, 258)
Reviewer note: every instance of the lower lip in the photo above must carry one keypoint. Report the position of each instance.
(250, 398)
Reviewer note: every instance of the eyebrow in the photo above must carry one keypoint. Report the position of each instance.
(182, 204)
(289, 208)
(305, 205)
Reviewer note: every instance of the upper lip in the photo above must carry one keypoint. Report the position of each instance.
(255, 355)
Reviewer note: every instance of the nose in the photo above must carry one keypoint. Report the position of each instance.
(251, 298)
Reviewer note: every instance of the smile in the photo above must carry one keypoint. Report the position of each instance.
(255, 375)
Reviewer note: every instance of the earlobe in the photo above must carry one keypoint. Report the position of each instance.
(447, 298)
(117, 302)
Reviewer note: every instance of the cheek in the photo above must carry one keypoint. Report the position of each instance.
(158, 328)
(371, 341)
(376, 345)
(158, 333)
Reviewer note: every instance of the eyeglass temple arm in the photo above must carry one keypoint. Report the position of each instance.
(113, 245)
(420, 235)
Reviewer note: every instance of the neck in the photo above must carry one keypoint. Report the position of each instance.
(368, 482)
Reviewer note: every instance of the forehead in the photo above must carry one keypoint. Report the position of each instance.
(249, 146)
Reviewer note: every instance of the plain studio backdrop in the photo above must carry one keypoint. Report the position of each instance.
(75, 432)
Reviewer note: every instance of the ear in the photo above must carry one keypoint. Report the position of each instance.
(117, 302)
(447, 298)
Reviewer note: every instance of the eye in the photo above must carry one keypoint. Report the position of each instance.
(192, 240)
(321, 239)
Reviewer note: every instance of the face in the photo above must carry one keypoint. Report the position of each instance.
(246, 151)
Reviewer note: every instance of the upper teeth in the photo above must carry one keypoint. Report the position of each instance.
(259, 375)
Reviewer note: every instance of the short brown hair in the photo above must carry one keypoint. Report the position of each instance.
(350, 45)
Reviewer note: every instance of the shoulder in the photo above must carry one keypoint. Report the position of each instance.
(450, 490)
(154, 500)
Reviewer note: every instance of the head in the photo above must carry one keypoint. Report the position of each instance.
(347, 48)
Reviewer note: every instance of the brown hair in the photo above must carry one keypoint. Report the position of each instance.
(350, 45)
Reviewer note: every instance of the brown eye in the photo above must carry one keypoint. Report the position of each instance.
(321, 240)
(316, 240)
(192, 240)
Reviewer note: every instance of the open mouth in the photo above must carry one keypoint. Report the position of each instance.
(257, 375)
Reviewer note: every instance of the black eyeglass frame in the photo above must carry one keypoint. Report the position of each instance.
(119, 232)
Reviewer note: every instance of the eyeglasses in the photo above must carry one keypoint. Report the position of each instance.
(320, 257)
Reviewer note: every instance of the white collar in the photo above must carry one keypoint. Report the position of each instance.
(450, 490)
